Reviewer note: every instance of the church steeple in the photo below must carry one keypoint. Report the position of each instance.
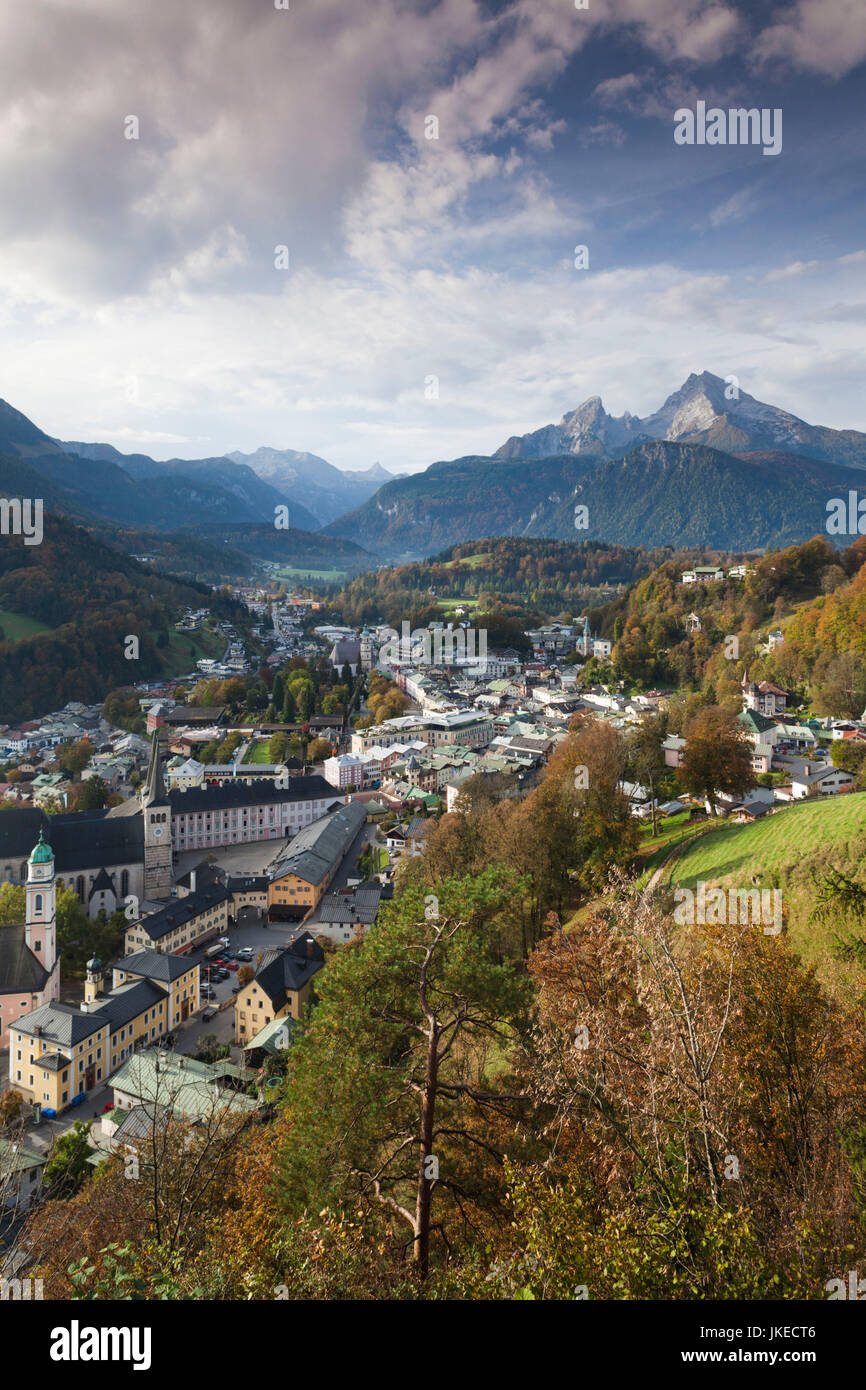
(156, 815)
(154, 787)
(40, 929)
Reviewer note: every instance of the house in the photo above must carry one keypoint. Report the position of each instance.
(282, 986)
(341, 916)
(766, 698)
(702, 574)
(673, 749)
(775, 639)
(751, 811)
(20, 1175)
(417, 832)
(170, 1083)
(810, 780)
(693, 623)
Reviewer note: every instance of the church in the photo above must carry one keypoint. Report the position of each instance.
(107, 856)
(29, 964)
(103, 856)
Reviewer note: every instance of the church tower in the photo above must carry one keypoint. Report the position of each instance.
(40, 929)
(156, 814)
(366, 649)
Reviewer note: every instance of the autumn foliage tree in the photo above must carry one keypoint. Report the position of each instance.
(717, 758)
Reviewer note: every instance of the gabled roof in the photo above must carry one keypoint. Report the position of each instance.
(182, 910)
(126, 1002)
(318, 847)
(101, 884)
(156, 965)
(17, 1157)
(286, 971)
(61, 1024)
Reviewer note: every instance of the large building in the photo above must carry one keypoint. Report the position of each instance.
(29, 964)
(465, 727)
(238, 812)
(184, 923)
(304, 869)
(61, 1051)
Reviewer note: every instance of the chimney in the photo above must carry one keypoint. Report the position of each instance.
(192, 880)
(310, 945)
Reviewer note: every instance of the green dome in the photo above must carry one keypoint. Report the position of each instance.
(43, 853)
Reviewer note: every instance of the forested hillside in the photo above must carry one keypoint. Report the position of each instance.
(813, 594)
(92, 597)
(544, 576)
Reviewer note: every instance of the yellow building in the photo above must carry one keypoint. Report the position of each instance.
(282, 986)
(59, 1052)
(182, 924)
(302, 871)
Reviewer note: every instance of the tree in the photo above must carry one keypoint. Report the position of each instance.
(67, 1167)
(245, 974)
(13, 1108)
(210, 1049)
(13, 903)
(305, 701)
(289, 710)
(318, 749)
(73, 757)
(647, 758)
(717, 757)
(415, 1014)
(94, 795)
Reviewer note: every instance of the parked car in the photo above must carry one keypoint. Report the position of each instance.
(222, 973)
(232, 965)
(228, 955)
(208, 1015)
(207, 993)
(224, 940)
(245, 953)
(236, 989)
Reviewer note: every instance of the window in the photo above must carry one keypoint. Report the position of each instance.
(37, 902)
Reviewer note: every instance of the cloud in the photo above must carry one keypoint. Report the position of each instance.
(822, 36)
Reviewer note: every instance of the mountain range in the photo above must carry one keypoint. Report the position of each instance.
(713, 465)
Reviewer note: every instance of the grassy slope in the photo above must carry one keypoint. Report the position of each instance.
(178, 659)
(784, 849)
(17, 626)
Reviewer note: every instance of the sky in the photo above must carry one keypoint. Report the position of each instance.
(426, 303)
